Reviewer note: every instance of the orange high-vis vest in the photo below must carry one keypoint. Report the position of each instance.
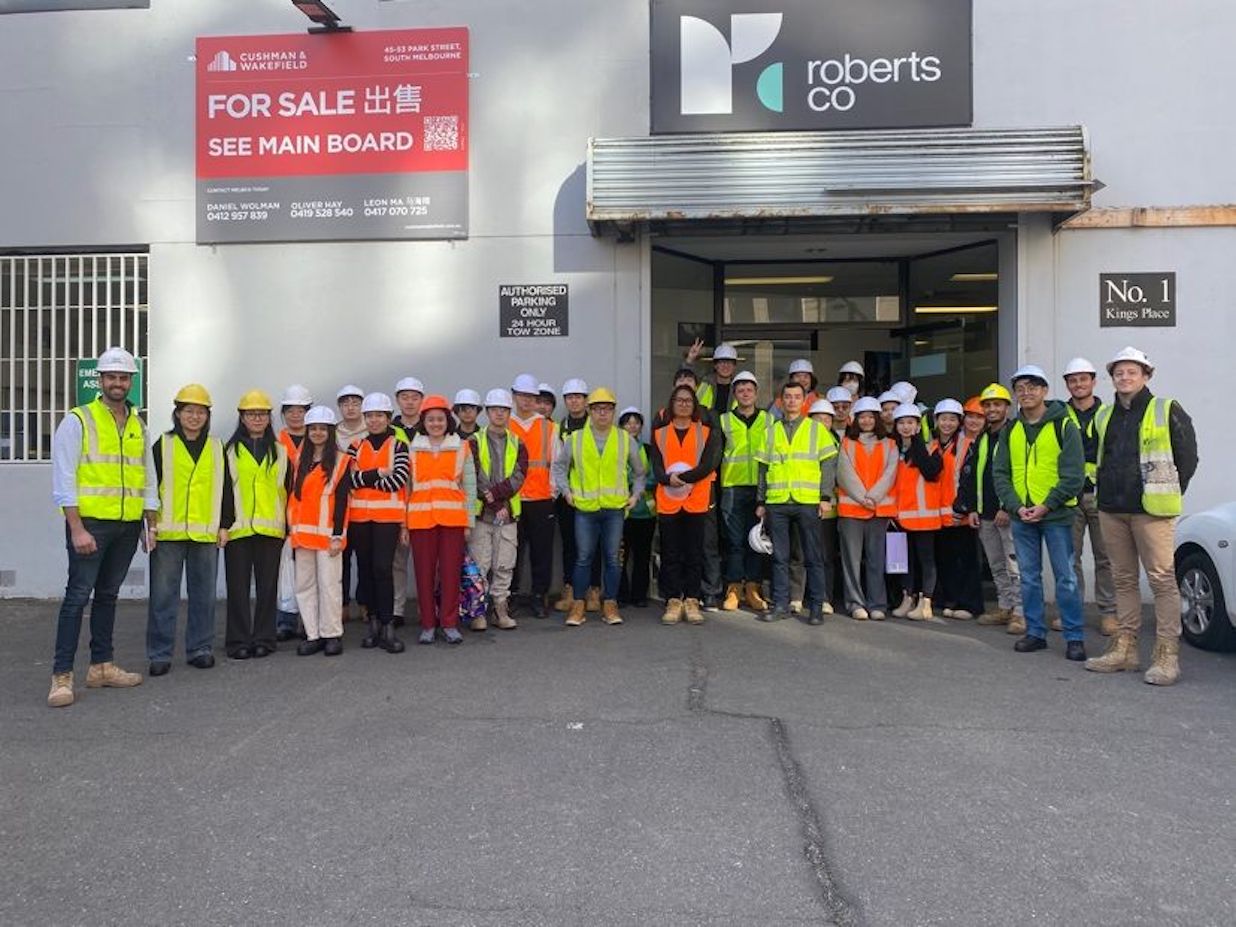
(437, 496)
(311, 517)
(369, 503)
(292, 448)
(869, 466)
(538, 438)
(950, 478)
(918, 500)
(688, 450)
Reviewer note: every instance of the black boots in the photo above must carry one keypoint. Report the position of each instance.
(388, 641)
(370, 640)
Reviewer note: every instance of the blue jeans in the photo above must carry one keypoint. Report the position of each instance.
(603, 526)
(1028, 541)
(199, 562)
(738, 517)
(807, 518)
(100, 574)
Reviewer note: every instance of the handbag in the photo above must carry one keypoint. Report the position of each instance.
(897, 553)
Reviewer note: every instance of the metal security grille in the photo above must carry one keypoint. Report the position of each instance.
(57, 309)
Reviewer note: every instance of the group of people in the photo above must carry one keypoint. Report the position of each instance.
(874, 504)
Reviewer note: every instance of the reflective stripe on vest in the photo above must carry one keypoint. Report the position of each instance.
(111, 473)
(538, 438)
(369, 503)
(1087, 432)
(689, 450)
(794, 466)
(191, 493)
(918, 501)
(599, 480)
(437, 496)
(868, 466)
(511, 458)
(1035, 468)
(980, 469)
(743, 442)
(260, 492)
(1161, 492)
(310, 517)
(706, 392)
(292, 448)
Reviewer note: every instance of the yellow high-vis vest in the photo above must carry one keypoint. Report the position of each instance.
(111, 474)
(511, 456)
(191, 493)
(259, 490)
(1161, 492)
(794, 466)
(599, 480)
(740, 463)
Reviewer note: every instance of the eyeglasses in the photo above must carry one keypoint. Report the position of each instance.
(1029, 386)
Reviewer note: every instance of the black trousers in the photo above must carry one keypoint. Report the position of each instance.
(831, 564)
(923, 576)
(566, 528)
(682, 554)
(536, 533)
(710, 583)
(637, 536)
(375, 543)
(253, 558)
(348, 555)
(961, 581)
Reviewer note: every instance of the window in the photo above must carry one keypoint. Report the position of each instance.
(57, 309)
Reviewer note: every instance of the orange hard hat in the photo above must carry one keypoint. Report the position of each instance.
(435, 401)
(973, 405)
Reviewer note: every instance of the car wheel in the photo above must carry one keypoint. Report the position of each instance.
(1204, 619)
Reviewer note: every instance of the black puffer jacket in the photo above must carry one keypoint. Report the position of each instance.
(1120, 475)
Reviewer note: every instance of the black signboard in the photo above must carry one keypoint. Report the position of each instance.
(46, 6)
(532, 310)
(1137, 300)
(760, 65)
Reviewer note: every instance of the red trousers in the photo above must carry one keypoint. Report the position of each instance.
(437, 554)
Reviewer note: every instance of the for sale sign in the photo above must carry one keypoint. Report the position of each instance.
(359, 135)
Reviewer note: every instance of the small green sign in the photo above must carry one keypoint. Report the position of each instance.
(88, 382)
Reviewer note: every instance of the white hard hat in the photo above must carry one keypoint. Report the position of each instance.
(839, 394)
(889, 396)
(758, 539)
(410, 383)
(821, 405)
(865, 404)
(1130, 354)
(1029, 372)
(744, 376)
(725, 351)
(467, 397)
(546, 388)
(498, 398)
(949, 405)
(853, 367)
(678, 492)
(1079, 365)
(525, 383)
(296, 395)
(802, 365)
(350, 390)
(904, 390)
(575, 386)
(321, 415)
(907, 410)
(630, 410)
(116, 360)
(377, 402)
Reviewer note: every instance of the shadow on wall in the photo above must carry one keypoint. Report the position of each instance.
(575, 250)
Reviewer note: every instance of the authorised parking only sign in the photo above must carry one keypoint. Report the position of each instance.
(532, 310)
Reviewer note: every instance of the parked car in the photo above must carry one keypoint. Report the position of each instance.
(1206, 572)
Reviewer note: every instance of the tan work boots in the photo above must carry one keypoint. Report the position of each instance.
(609, 612)
(673, 612)
(576, 616)
(732, 593)
(502, 616)
(592, 599)
(1121, 655)
(754, 598)
(568, 596)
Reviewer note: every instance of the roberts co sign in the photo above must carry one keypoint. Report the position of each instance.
(757, 65)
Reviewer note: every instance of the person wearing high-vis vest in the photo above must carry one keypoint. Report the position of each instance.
(797, 480)
(918, 491)
(440, 516)
(537, 517)
(716, 392)
(685, 453)
(959, 590)
(318, 532)
(295, 403)
(745, 428)
(641, 523)
(103, 480)
(260, 474)
(351, 428)
(195, 505)
(1039, 471)
(375, 517)
(978, 502)
(501, 465)
(842, 401)
(409, 394)
(600, 473)
(1146, 460)
(866, 472)
(575, 398)
(825, 413)
(1083, 406)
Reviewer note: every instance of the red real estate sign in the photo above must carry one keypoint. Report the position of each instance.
(358, 135)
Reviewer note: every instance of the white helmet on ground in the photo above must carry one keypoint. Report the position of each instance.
(498, 398)
(467, 397)
(321, 415)
(377, 402)
(116, 360)
(758, 539)
(296, 395)
(1131, 354)
(1079, 365)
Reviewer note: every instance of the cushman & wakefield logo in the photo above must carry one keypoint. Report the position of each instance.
(738, 65)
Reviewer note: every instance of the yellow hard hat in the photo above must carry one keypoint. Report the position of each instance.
(995, 391)
(601, 394)
(194, 393)
(254, 400)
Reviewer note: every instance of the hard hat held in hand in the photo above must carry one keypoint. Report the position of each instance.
(758, 539)
(678, 492)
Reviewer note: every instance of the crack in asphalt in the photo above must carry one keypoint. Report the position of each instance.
(841, 910)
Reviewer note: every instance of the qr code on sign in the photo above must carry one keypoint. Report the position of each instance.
(441, 133)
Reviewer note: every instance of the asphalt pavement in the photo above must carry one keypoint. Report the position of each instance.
(733, 773)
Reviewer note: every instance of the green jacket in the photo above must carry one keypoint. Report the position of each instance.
(1070, 467)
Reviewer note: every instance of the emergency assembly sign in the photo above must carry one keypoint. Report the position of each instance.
(358, 135)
